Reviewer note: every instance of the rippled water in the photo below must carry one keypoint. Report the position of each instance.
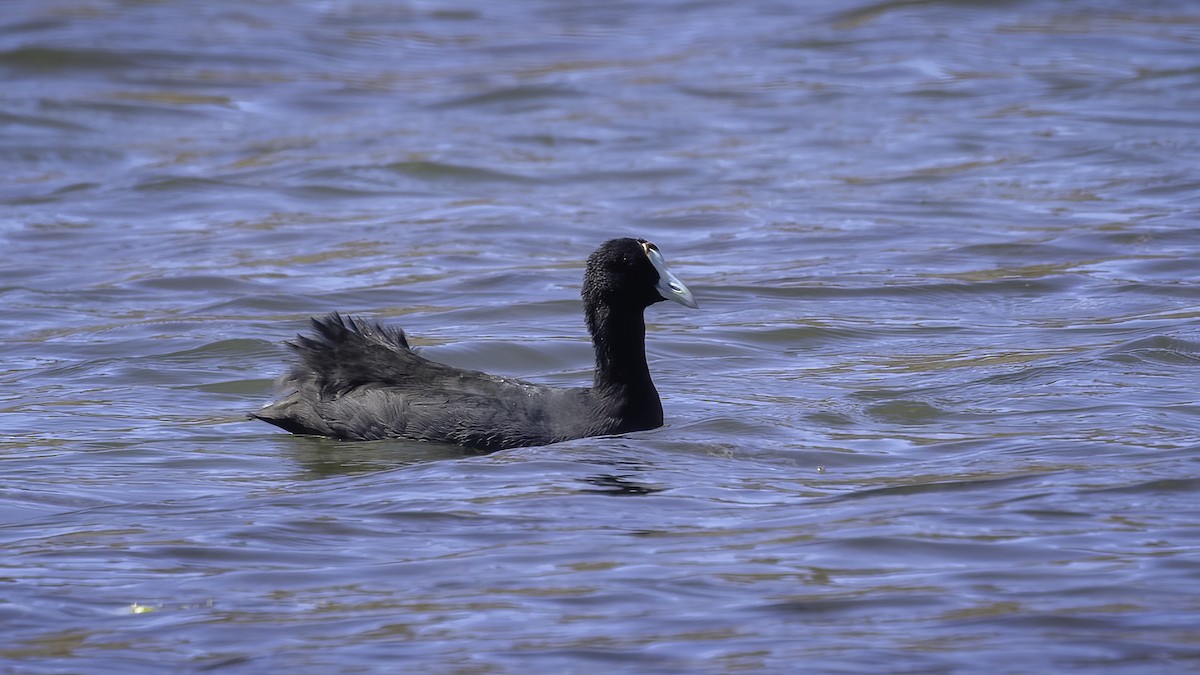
(937, 411)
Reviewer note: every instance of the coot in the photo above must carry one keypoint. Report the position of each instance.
(360, 381)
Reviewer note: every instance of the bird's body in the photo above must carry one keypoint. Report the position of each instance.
(361, 381)
(409, 396)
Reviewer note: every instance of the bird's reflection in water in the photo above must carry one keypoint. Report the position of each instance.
(612, 484)
(320, 458)
(326, 458)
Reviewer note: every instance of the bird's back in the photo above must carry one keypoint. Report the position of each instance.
(361, 381)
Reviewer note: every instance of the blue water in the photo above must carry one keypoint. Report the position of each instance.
(936, 412)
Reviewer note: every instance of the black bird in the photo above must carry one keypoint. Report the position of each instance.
(361, 381)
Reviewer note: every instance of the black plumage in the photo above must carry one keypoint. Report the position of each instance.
(360, 381)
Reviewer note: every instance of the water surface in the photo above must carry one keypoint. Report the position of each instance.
(936, 413)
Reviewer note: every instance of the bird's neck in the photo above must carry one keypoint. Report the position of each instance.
(622, 376)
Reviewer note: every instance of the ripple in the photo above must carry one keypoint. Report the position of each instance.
(512, 99)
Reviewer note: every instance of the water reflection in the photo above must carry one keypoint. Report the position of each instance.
(326, 458)
(613, 484)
